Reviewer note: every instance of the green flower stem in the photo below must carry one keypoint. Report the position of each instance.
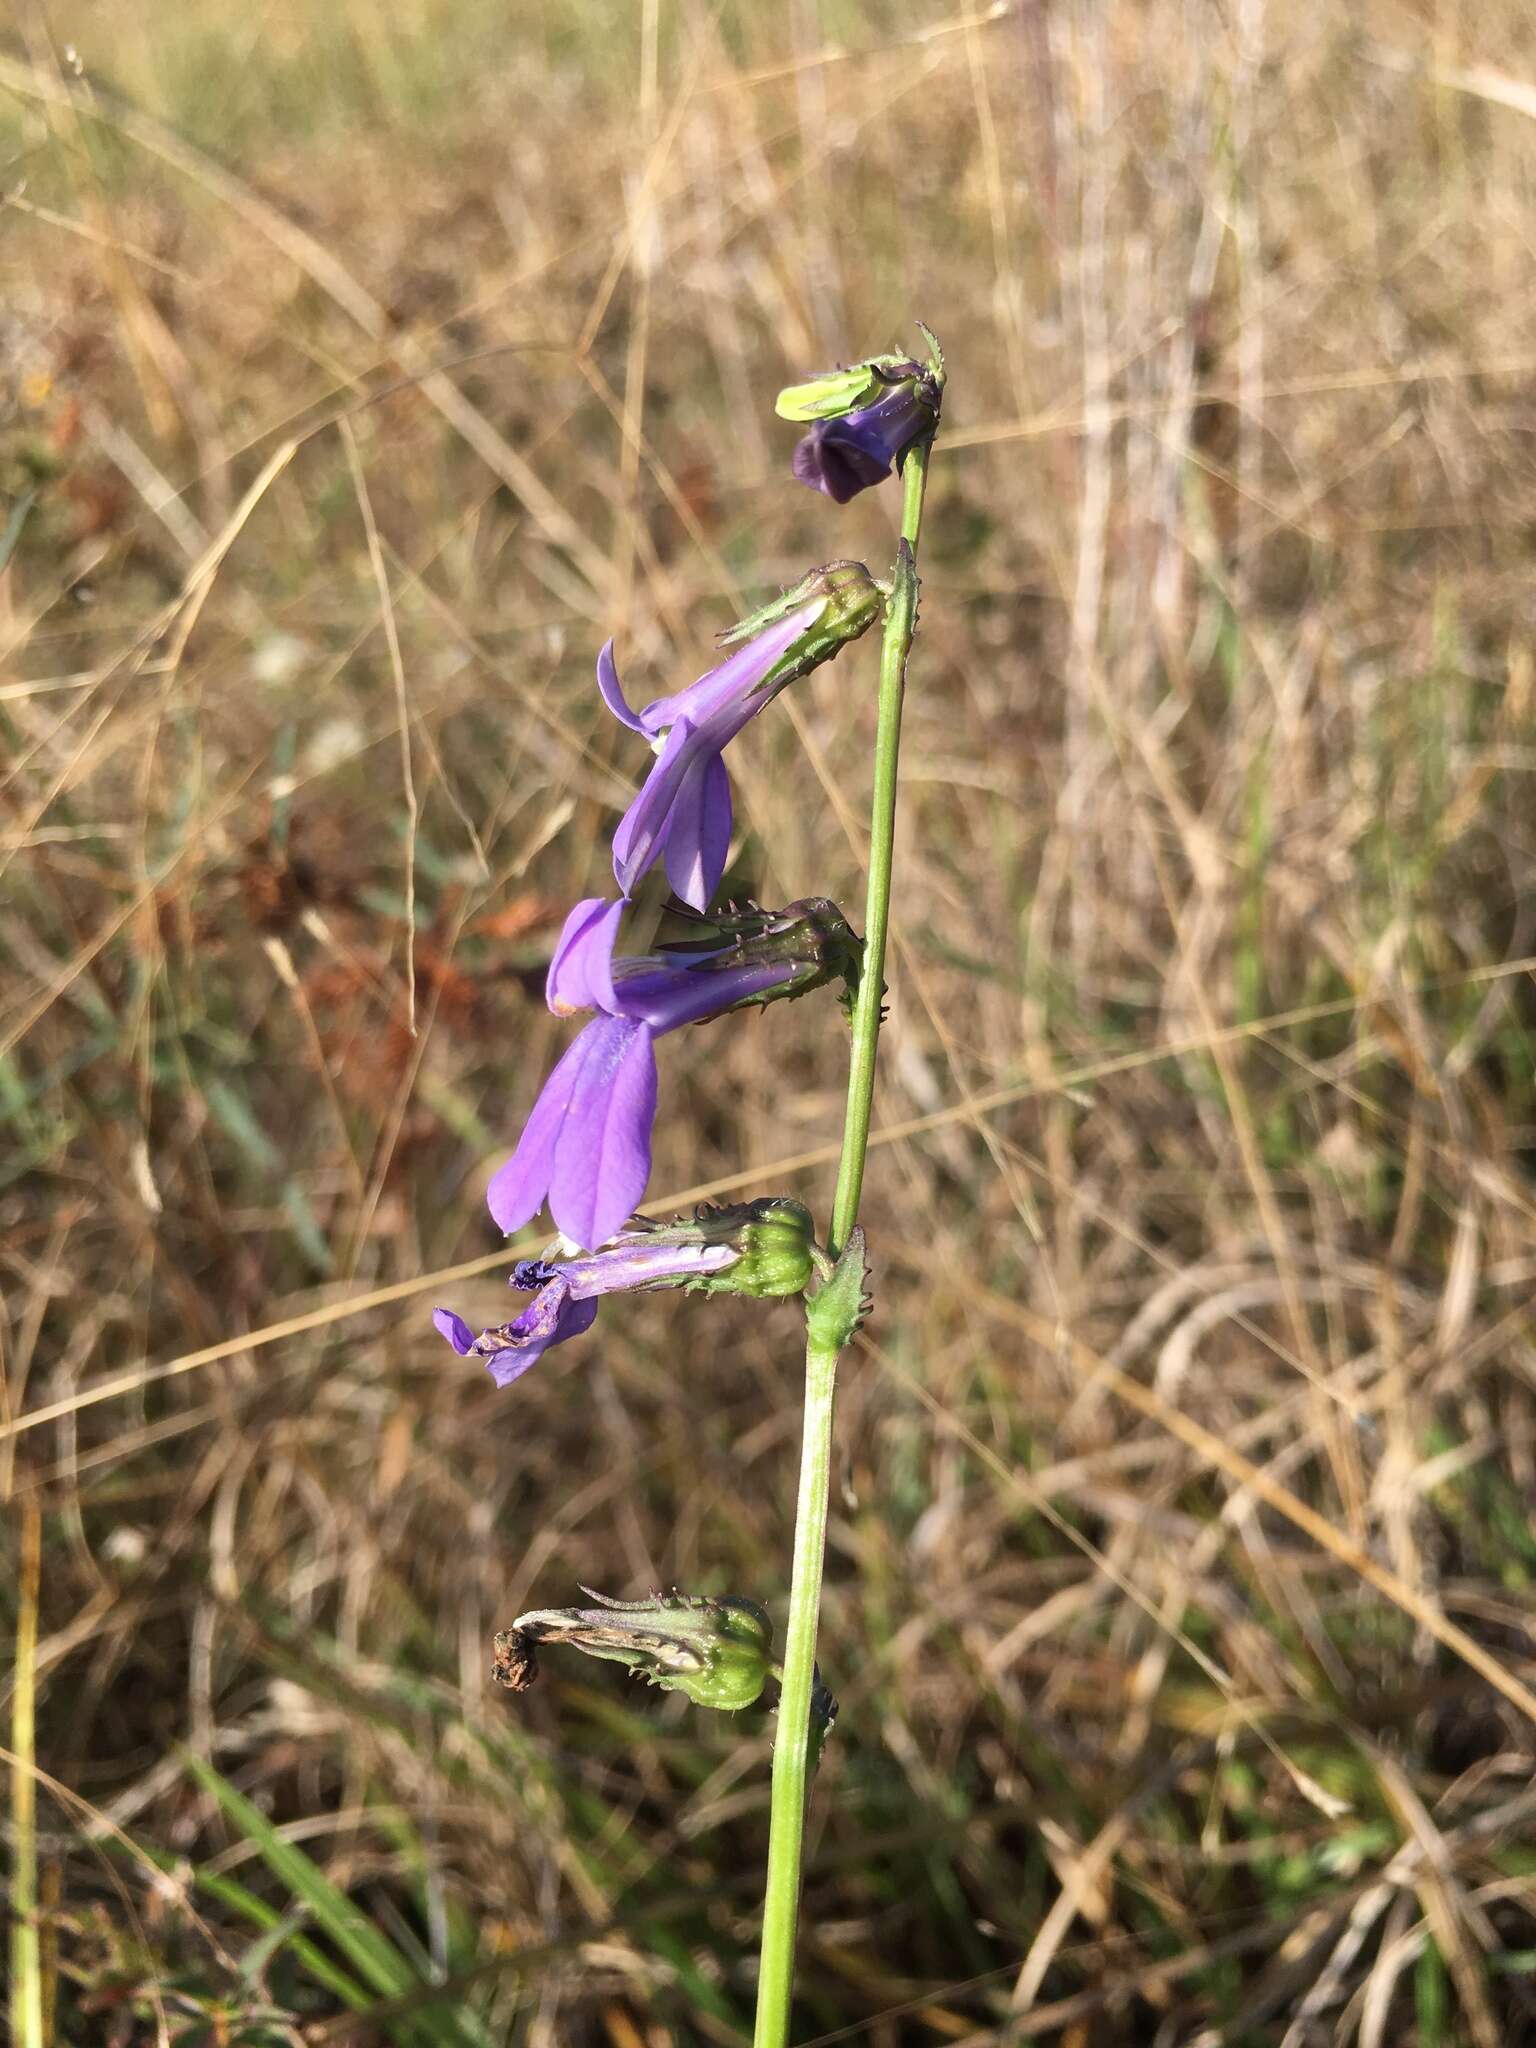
(900, 623)
(786, 1825)
(791, 1745)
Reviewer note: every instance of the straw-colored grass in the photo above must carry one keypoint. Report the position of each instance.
(367, 366)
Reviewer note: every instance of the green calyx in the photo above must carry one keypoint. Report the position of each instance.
(812, 937)
(852, 601)
(716, 1651)
(777, 1241)
(829, 396)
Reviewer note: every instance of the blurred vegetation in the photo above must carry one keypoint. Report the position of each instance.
(365, 367)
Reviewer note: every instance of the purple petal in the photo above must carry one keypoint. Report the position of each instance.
(728, 686)
(508, 1349)
(455, 1329)
(602, 1158)
(577, 1319)
(699, 832)
(841, 471)
(581, 972)
(541, 1318)
(625, 1266)
(703, 719)
(642, 831)
(517, 1190)
(511, 1363)
(611, 691)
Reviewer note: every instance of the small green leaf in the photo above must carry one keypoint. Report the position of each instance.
(840, 1305)
(935, 353)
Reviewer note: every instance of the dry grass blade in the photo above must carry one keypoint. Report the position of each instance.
(1263, 1486)
(26, 1999)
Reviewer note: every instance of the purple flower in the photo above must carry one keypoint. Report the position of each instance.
(769, 1240)
(683, 811)
(863, 421)
(586, 1148)
(845, 456)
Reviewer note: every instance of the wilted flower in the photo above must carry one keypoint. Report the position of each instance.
(684, 808)
(508, 1349)
(760, 1248)
(863, 422)
(586, 1147)
(717, 1651)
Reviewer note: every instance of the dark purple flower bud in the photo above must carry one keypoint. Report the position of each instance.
(683, 811)
(586, 1147)
(863, 421)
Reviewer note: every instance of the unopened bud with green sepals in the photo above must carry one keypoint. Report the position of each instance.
(863, 420)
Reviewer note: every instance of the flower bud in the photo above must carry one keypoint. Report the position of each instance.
(716, 1651)
(862, 421)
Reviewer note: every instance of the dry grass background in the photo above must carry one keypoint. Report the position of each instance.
(366, 366)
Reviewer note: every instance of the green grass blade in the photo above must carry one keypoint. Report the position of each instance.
(381, 1966)
(14, 524)
(230, 1892)
(376, 1960)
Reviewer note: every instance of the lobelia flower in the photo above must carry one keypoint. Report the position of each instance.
(757, 1248)
(863, 422)
(683, 811)
(586, 1147)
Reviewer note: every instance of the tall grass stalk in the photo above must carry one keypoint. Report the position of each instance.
(26, 1955)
